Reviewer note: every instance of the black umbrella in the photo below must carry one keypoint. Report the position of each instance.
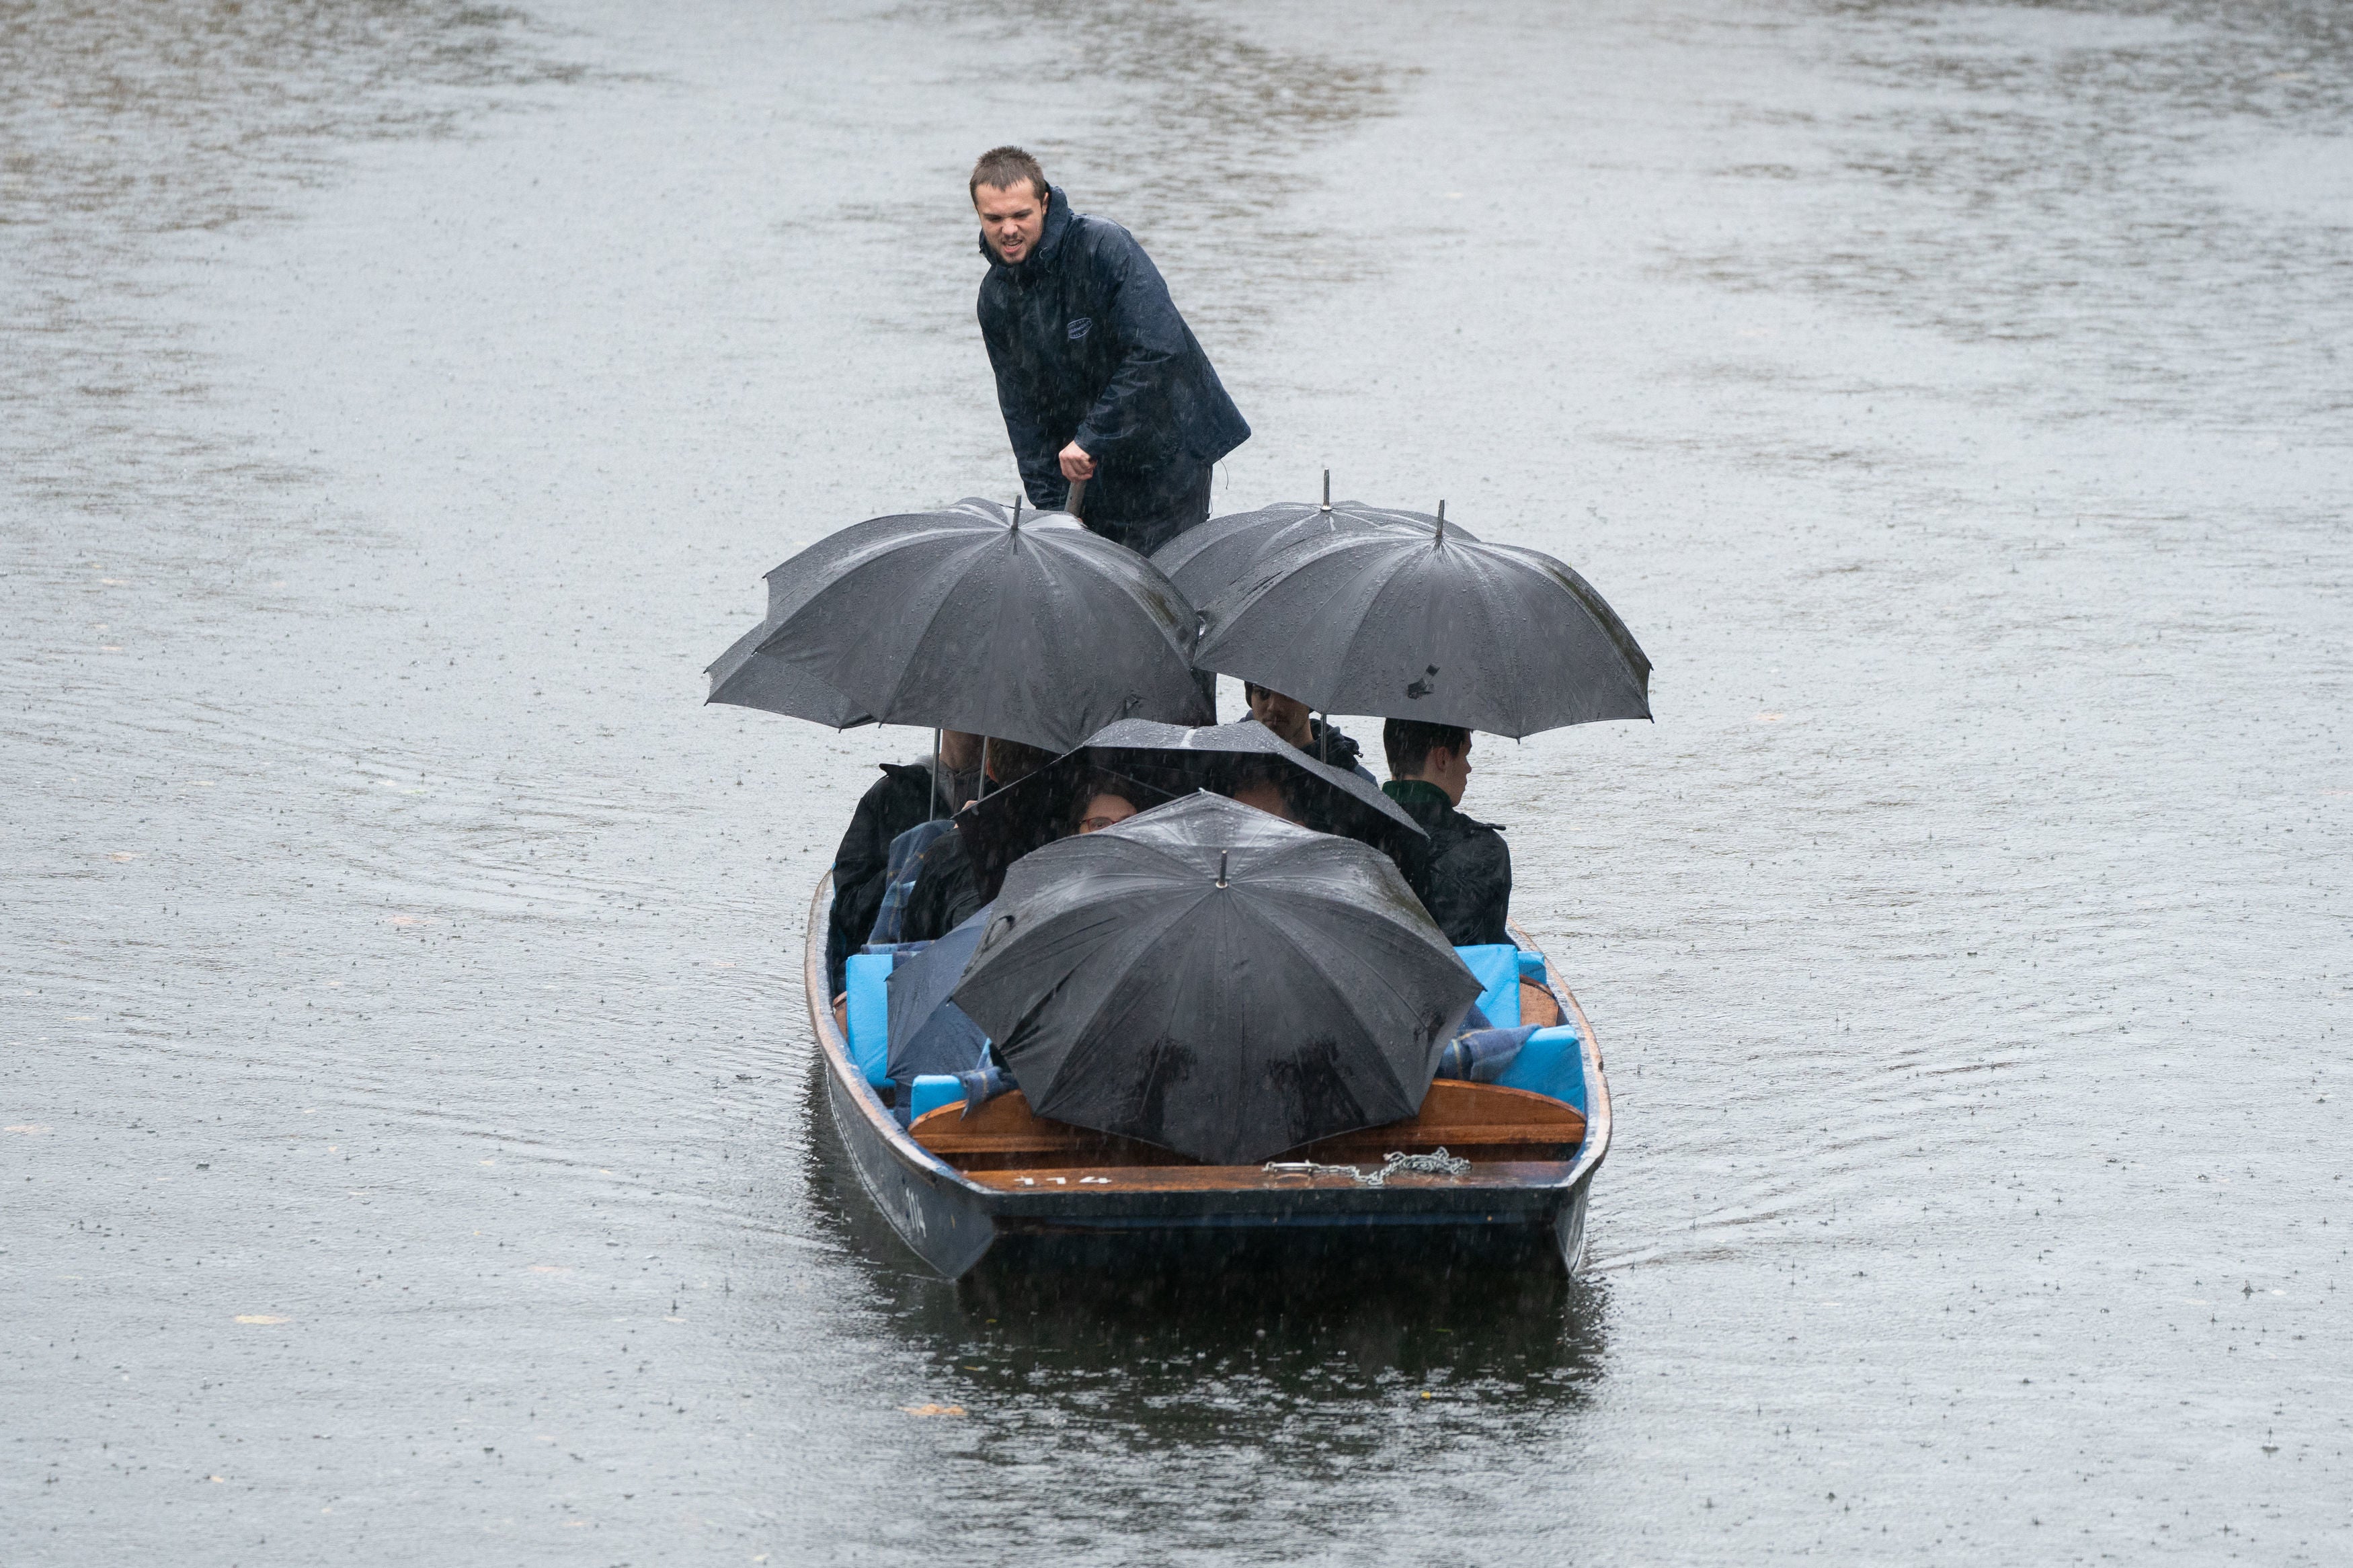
(746, 678)
(1001, 622)
(1207, 560)
(1441, 628)
(1158, 762)
(926, 1032)
(1212, 979)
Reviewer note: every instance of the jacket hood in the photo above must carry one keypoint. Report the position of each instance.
(1059, 218)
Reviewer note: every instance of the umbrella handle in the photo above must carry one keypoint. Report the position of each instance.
(1076, 500)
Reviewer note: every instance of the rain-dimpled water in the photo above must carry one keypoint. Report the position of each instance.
(412, 1147)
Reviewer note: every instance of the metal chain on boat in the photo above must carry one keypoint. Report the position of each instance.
(1310, 1168)
(1437, 1163)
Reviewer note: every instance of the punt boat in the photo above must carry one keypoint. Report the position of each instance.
(1004, 1188)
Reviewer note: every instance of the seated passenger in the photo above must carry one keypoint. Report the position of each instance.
(906, 795)
(1289, 719)
(946, 889)
(1104, 801)
(1464, 879)
(1260, 782)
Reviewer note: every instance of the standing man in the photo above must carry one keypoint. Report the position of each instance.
(1098, 375)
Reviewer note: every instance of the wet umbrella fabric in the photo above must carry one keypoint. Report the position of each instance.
(1444, 629)
(743, 677)
(1205, 562)
(927, 1033)
(972, 618)
(1160, 762)
(1214, 979)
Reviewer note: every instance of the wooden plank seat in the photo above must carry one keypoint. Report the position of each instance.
(1480, 1122)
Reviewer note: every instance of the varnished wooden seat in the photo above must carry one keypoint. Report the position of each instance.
(1480, 1122)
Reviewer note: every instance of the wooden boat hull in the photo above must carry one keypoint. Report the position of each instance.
(1504, 1211)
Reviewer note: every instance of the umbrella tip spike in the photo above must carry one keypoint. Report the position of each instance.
(1327, 490)
(1221, 867)
(1441, 522)
(1016, 514)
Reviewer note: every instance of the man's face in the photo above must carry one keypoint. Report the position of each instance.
(1010, 220)
(1449, 770)
(1284, 715)
(959, 752)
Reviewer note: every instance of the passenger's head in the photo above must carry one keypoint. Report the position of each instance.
(1266, 785)
(1009, 193)
(1434, 753)
(959, 751)
(1286, 716)
(1103, 807)
(1010, 762)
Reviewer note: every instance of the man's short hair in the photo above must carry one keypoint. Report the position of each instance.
(1409, 742)
(1249, 771)
(1005, 167)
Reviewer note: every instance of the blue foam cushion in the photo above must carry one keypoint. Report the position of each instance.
(1496, 966)
(1532, 966)
(869, 1015)
(1551, 1062)
(933, 1090)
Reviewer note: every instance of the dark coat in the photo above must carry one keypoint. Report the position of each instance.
(900, 799)
(1464, 877)
(1087, 346)
(1329, 745)
(946, 892)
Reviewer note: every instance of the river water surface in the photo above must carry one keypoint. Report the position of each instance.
(410, 1145)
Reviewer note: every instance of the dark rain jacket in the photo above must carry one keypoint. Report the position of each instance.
(946, 892)
(1464, 877)
(900, 799)
(1329, 745)
(1087, 346)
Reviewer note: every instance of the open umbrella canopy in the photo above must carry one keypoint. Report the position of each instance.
(1215, 980)
(743, 677)
(1154, 764)
(926, 1032)
(1206, 560)
(1441, 628)
(979, 618)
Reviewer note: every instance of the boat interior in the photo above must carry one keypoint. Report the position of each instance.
(1523, 1128)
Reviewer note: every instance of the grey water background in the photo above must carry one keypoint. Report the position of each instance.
(412, 1146)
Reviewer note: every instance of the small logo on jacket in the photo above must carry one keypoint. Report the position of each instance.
(1081, 327)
